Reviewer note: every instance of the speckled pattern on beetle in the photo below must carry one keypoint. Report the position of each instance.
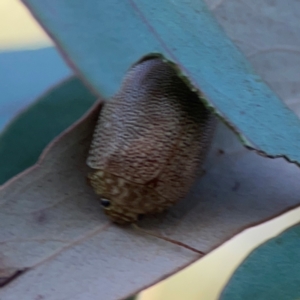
(149, 142)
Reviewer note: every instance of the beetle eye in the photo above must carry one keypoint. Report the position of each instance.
(105, 202)
(140, 217)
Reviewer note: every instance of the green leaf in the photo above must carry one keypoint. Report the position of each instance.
(24, 75)
(28, 134)
(101, 39)
(270, 271)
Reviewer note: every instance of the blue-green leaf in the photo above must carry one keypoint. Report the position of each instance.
(24, 75)
(27, 135)
(270, 271)
(103, 38)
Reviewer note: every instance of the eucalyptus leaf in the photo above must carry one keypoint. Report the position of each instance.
(267, 32)
(24, 75)
(24, 139)
(52, 224)
(270, 272)
(115, 34)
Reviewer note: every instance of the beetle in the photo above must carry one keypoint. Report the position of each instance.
(149, 142)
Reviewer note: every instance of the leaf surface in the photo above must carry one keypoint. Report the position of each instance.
(269, 38)
(24, 75)
(113, 35)
(53, 226)
(24, 139)
(51, 222)
(270, 272)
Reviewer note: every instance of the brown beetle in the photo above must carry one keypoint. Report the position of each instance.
(148, 143)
